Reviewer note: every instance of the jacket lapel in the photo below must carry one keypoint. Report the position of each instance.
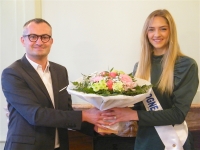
(54, 79)
(35, 76)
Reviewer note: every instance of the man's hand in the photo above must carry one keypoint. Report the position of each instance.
(93, 115)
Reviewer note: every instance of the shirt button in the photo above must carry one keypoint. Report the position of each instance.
(174, 145)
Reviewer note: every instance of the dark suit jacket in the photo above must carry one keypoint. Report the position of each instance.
(33, 119)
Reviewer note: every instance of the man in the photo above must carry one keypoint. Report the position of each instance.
(35, 89)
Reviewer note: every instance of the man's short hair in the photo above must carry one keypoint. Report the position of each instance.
(37, 21)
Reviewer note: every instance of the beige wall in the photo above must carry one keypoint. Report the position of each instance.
(96, 35)
(13, 14)
(92, 35)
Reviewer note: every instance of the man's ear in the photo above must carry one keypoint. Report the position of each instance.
(22, 40)
(51, 40)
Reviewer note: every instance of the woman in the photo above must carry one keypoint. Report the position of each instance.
(174, 77)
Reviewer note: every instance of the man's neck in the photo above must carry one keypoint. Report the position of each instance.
(39, 60)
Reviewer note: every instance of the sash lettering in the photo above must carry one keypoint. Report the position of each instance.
(151, 103)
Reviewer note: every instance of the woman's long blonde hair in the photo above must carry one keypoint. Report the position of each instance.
(165, 83)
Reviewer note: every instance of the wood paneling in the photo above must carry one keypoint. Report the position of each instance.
(193, 117)
(79, 141)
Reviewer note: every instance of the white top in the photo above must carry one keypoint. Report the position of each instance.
(46, 78)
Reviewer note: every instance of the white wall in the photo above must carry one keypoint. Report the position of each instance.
(96, 35)
(13, 15)
(93, 35)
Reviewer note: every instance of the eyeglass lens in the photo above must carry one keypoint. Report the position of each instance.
(44, 38)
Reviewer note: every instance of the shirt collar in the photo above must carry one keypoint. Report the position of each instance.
(37, 66)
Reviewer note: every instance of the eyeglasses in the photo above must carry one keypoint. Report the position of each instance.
(33, 37)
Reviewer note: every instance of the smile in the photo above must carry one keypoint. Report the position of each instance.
(157, 40)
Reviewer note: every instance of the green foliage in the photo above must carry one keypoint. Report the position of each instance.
(110, 83)
(83, 87)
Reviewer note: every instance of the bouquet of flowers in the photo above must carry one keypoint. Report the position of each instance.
(110, 83)
(108, 89)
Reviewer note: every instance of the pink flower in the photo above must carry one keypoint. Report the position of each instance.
(127, 82)
(113, 74)
(125, 78)
(96, 79)
(109, 84)
(129, 85)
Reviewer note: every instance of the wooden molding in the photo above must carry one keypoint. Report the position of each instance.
(38, 8)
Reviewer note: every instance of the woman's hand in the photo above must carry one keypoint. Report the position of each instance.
(119, 115)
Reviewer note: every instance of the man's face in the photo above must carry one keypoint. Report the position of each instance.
(37, 50)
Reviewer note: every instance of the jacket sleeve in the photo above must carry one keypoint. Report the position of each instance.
(26, 99)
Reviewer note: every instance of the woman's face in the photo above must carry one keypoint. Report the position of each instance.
(158, 35)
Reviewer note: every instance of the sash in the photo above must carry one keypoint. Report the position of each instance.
(176, 136)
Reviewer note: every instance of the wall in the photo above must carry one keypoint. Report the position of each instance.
(92, 35)
(13, 15)
(98, 35)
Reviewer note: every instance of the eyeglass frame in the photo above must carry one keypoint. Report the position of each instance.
(38, 36)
